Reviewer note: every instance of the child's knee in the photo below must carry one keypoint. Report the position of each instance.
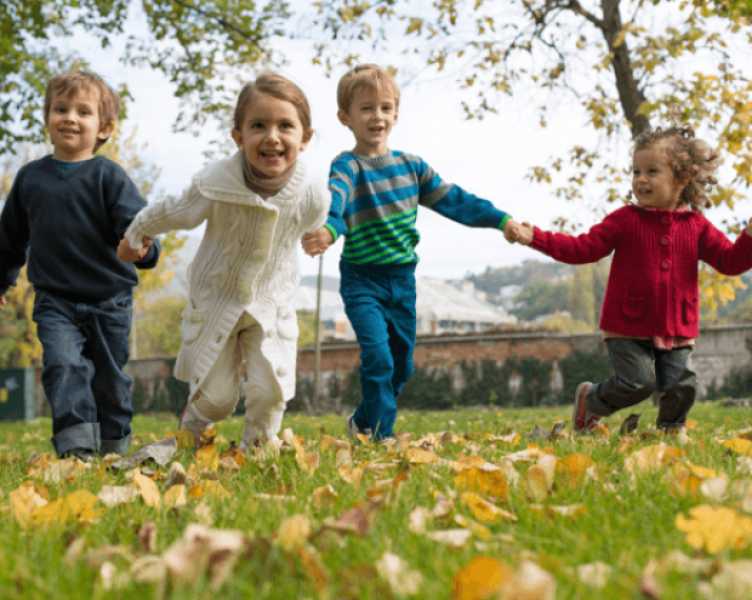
(215, 408)
(377, 361)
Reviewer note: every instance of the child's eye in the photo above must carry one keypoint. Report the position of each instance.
(287, 125)
(256, 125)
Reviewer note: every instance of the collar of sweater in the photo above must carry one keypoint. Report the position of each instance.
(224, 181)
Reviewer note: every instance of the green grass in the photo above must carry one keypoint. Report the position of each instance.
(624, 525)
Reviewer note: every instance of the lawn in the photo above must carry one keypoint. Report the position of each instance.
(464, 504)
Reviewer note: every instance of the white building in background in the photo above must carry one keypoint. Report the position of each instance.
(441, 308)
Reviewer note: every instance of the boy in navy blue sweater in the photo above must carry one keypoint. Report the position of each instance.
(66, 214)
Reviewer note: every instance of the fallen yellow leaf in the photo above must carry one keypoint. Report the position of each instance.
(715, 528)
(482, 578)
(149, 490)
(485, 511)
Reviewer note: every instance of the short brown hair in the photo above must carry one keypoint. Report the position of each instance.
(278, 87)
(72, 82)
(368, 76)
(692, 160)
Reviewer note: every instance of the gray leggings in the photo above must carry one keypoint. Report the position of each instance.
(639, 370)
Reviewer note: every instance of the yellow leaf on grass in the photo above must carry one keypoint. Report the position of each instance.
(307, 461)
(418, 456)
(652, 458)
(24, 500)
(715, 528)
(485, 511)
(480, 531)
(536, 483)
(489, 481)
(77, 506)
(293, 532)
(148, 489)
(740, 446)
(314, 568)
(482, 578)
(184, 439)
(572, 468)
(208, 487)
(323, 495)
(175, 496)
(207, 458)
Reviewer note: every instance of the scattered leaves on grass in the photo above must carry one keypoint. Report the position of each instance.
(402, 580)
(714, 529)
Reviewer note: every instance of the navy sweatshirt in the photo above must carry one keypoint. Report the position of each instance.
(68, 223)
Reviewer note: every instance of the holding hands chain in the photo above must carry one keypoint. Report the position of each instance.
(128, 254)
(518, 232)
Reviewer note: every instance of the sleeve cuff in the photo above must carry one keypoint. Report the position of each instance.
(504, 220)
(333, 231)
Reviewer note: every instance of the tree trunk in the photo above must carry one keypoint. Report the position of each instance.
(630, 94)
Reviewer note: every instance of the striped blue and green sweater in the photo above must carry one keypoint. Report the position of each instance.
(375, 205)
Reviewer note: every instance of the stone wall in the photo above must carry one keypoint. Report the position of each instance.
(718, 352)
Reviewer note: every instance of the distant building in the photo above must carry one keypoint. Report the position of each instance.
(442, 307)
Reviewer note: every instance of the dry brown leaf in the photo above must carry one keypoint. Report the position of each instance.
(232, 459)
(351, 475)
(343, 458)
(530, 582)
(175, 496)
(112, 495)
(651, 458)
(595, 574)
(307, 461)
(148, 490)
(53, 471)
(355, 520)
(204, 550)
(402, 580)
(147, 536)
(328, 442)
(208, 487)
(203, 513)
(323, 496)
(419, 456)
(482, 578)
(732, 582)
(455, 538)
(176, 475)
(293, 532)
(150, 569)
(314, 568)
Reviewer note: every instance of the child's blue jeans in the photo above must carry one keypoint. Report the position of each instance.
(380, 303)
(85, 347)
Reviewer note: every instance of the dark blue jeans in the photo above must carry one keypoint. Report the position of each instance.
(639, 370)
(85, 347)
(380, 303)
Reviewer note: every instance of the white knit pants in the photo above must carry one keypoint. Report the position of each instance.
(218, 395)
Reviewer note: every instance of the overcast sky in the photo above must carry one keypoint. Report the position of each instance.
(489, 158)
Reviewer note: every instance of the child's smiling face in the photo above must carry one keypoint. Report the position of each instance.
(371, 116)
(653, 181)
(271, 135)
(74, 124)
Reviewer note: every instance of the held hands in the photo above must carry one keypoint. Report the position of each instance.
(317, 242)
(3, 301)
(518, 232)
(128, 254)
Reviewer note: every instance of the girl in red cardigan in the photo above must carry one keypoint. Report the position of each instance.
(650, 312)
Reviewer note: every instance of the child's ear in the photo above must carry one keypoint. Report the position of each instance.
(237, 137)
(106, 131)
(343, 118)
(306, 138)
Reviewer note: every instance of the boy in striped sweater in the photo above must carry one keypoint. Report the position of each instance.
(375, 197)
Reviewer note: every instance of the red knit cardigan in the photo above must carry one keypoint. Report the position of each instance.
(652, 286)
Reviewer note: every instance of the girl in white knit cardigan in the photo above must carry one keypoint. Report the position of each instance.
(239, 326)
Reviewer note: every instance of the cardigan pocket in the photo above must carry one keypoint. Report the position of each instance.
(634, 307)
(287, 324)
(689, 310)
(192, 323)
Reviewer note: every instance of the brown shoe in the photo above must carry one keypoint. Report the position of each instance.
(583, 421)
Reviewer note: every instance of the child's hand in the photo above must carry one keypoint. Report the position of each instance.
(3, 301)
(525, 233)
(126, 253)
(516, 232)
(317, 242)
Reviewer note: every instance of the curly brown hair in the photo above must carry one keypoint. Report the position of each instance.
(692, 161)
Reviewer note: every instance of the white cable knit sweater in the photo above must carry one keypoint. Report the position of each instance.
(247, 261)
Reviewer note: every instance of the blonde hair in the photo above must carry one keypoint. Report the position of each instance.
(279, 87)
(692, 160)
(365, 76)
(72, 82)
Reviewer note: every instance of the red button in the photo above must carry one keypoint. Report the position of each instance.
(665, 264)
(664, 240)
